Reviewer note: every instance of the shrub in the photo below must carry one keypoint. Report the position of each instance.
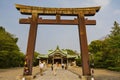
(114, 68)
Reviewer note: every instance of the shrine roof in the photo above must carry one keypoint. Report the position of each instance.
(56, 51)
(42, 56)
(72, 56)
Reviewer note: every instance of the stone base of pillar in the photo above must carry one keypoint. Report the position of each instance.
(24, 78)
(28, 77)
(87, 78)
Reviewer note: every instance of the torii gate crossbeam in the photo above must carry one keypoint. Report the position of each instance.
(58, 12)
(56, 22)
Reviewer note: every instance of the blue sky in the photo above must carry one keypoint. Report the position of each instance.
(66, 36)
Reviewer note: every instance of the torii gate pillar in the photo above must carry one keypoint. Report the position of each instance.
(84, 45)
(31, 44)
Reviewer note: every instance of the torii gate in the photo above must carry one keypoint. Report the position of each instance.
(58, 12)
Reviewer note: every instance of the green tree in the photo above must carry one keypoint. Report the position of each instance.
(7, 41)
(106, 52)
(10, 55)
(115, 29)
(70, 52)
(113, 46)
(96, 49)
(113, 41)
(95, 46)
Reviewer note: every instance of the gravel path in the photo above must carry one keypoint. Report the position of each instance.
(100, 74)
(14, 73)
(62, 74)
(10, 74)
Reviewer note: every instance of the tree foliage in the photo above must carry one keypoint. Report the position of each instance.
(7, 41)
(10, 55)
(106, 52)
(70, 52)
(96, 46)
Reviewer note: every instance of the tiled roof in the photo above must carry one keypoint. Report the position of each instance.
(56, 51)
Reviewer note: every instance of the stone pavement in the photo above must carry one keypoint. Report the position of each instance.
(62, 74)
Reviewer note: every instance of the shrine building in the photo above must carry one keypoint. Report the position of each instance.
(58, 55)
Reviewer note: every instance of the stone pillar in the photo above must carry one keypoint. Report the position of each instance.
(47, 61)
(87, 78)
(67, 60)
(61, 60)
(28, 78)
(53, 60)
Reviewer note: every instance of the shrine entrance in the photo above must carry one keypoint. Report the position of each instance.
(35, 12)
(57, 60)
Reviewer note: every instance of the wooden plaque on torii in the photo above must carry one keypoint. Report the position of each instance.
(58, 12)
